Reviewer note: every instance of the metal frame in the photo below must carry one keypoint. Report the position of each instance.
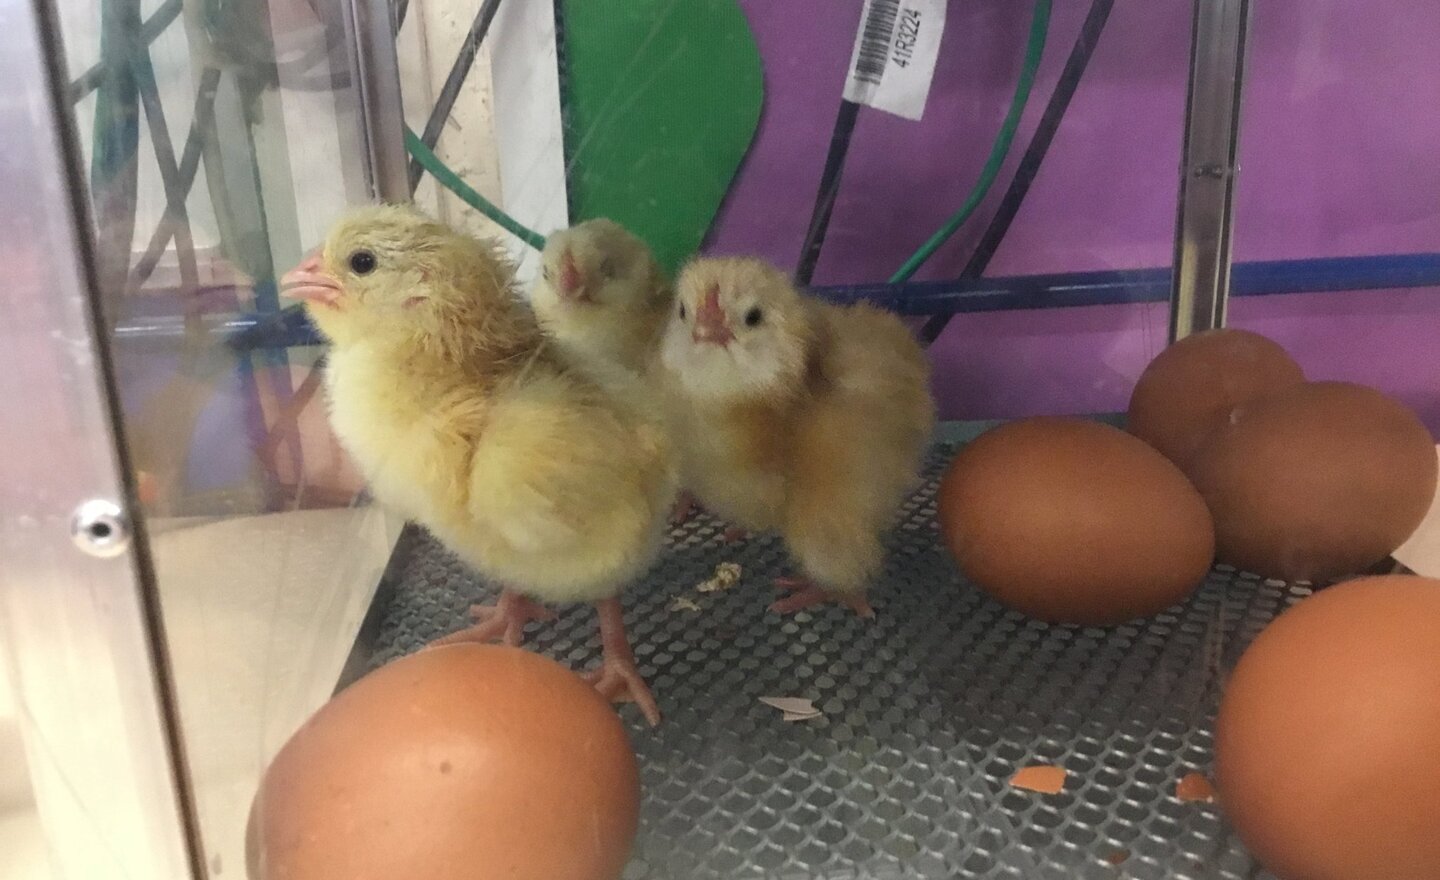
(84, 633)
(371, 25)
(1207, 168)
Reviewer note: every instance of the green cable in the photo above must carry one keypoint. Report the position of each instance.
(451, 181)
(1039, 25)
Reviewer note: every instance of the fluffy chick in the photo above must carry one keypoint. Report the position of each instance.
(442, 389)
(796, 415)
(602, 297)
(604, 300)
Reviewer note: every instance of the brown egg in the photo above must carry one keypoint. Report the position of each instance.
(456, 763)
(1073, 521)
(1328, 742)
(1189, 389)
(1322, 480)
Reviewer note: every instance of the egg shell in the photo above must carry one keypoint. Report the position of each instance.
(465, 762)
(1072, 521)
(1328, 739)
(1190, 388)
(1316, 482)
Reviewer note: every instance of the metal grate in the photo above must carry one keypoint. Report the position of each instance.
(928, 711)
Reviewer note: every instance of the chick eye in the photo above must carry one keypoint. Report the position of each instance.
(607, 267)
(545, 273)
(753, 318)
(362, 262)
(682, 311)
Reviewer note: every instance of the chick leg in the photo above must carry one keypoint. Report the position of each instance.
(617, 678)
(502, 622)
(805, 593)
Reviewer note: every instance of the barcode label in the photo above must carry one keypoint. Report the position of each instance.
(877, 31)
(893, 61)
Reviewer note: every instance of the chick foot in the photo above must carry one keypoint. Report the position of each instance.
(806, 594)
(733, 535)
(616, 678)
(502, 622)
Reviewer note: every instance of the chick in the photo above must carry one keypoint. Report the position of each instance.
(796, 415)
(602, 298)
(443, 390)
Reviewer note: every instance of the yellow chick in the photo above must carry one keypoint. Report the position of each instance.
(443, 390)
(796, 415)
(602, 298)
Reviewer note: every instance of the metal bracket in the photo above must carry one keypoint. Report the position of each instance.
(1201, 284)
(376, 67)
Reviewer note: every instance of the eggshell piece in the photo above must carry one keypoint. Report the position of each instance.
(1072, 521)
(1040, 778)
(1316, 482)
(1194, 787)
(455, 763)
(1328, 738)
(1190, 388)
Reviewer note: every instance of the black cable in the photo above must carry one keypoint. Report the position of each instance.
(1034, 155)
(451, 90)
(829, 188)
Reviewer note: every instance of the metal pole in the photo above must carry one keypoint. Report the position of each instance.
(377, 74)
(1201, 283)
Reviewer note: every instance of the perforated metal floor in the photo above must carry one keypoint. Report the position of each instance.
(928, 712)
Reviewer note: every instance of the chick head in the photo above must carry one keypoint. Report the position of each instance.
(390, 272)
(597, 263)
(738, 329)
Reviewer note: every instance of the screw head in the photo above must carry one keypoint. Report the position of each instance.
(100, 528)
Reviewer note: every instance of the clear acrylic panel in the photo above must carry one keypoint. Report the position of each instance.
(220, 140)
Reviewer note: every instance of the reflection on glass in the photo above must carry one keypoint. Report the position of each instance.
(1335, 158)
(221, 139)
(22, 840)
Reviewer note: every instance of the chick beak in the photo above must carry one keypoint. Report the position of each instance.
(310, 283)
(572, 283)
(710, 322)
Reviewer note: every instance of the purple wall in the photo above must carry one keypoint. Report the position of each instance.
(1340, 156)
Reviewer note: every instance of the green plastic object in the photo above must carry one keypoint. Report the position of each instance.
(661, 102)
